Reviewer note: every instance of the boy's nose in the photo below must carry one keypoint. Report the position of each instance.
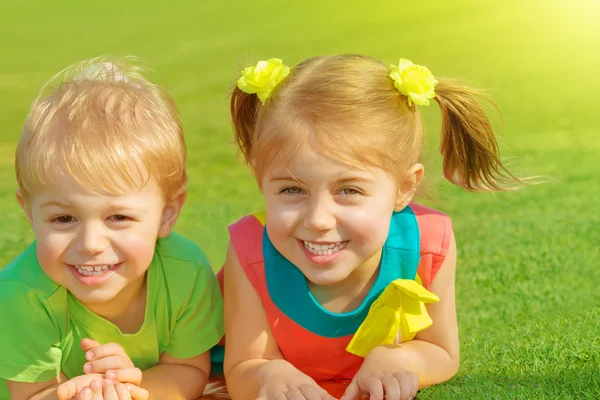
(92, 240)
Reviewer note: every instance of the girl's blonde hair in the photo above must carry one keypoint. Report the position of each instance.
(349, 106)
(101, 123)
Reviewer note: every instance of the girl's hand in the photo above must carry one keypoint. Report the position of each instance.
(382, 374)
(110, 359)
(279, 380)
(109, 390)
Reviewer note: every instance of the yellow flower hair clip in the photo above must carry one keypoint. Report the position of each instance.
(263, 78)
(414, 81)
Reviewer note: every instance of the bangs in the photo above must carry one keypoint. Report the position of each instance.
(348, 142)
(108, 137)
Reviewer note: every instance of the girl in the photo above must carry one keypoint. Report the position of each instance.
(330, 282)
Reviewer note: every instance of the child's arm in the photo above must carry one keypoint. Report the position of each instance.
(254, 366)
(433, 356)
(171, 378)
(434, 353)
(34, 391)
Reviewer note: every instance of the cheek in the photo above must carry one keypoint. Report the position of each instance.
(139, 249)
(369, 227)
(50, 246)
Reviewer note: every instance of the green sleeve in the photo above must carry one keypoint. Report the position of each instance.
(200, 326)
(29, 338)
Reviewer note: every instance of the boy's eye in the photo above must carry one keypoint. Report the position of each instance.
(119, 217)
(292, 190)
(64, 219)
(350, 191)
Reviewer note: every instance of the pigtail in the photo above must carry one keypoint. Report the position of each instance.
(471, 157)
(244, 111)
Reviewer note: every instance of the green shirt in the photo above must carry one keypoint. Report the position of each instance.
(41, 323)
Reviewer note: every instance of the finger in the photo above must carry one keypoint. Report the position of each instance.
(85, 394)
(122, 391)
(88, 344)
(391, 387)
(374, 388)
(324, 395)
(311, 392)
(295, 394)
(409, 384)
(126, 375)
(66, 390)
(102, 365)
(351, 392)
(105, 350)
(137, 393)
(108, 390)
(96, 386)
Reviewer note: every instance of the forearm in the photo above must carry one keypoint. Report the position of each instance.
(174, 381)
(431, 363)
(242, 382)
(46, 394)
(34, 391)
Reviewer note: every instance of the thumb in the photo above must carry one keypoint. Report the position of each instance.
(351, 392)
(88, 344)
(66, 390)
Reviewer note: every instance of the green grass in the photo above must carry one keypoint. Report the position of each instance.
(528, 273)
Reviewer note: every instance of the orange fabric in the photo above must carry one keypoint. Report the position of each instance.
(323, 358)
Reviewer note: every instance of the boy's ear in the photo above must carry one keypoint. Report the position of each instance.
(406, 192)
(24, 206)
(171, 213)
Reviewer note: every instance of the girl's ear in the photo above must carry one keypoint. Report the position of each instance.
(171, 213)
(407, 190)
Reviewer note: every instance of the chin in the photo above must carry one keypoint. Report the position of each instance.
(325, 278)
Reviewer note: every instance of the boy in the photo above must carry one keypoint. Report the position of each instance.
(106, 294)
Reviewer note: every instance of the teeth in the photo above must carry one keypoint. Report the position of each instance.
(92, 270)
(323, 249)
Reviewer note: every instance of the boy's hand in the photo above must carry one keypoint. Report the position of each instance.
(109, 390)
(382, 375)
(110, 359)
(71, 388)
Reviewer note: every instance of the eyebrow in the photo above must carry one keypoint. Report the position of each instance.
(285, 178)
(355, 179)
(55, 204)
(344, 180)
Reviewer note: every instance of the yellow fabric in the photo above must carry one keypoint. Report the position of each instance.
(399, 309)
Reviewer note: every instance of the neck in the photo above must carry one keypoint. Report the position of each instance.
(348, 294)
(123, 302)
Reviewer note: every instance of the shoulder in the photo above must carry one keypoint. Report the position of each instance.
(435, 229)
(246, 236)
(184, 266)
(24, 274)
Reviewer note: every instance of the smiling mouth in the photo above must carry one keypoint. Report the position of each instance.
(95, 270)
(324, 249)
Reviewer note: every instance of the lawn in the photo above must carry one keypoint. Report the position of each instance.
(529, 261)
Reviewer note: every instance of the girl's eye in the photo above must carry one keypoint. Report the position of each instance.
(292, 190)
(350, 191)
(64, 219)
(119, 218)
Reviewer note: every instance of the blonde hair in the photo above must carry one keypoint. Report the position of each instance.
(103, 124)
(349, 106)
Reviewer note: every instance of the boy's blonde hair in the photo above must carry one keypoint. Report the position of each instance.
(349, 107)
(101, 123)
